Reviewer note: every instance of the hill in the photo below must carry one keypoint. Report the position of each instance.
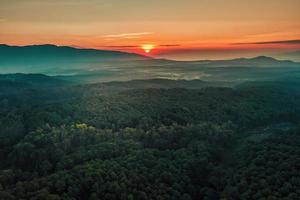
(259, 61)
(56, 59)
(92, 66)
(18, 89)
(29, 80)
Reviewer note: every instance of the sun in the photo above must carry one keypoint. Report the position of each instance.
(147, 47)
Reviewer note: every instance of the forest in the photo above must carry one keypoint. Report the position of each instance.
(149, 100)
(149, 140)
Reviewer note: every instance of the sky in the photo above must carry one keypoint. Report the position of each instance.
(176, 29)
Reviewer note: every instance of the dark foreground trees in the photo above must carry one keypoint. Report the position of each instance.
(154, 144)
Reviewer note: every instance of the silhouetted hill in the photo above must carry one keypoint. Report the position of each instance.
(92, 66)
(259, 61)
(29, 80)
(49, 50)
(51, 58)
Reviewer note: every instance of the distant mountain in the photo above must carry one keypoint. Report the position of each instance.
(293, 55)
(92, 66)
(51, 58)
(29, 80)
(260, 61)
(255, 60)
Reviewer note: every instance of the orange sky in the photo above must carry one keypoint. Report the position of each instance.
(180, 29)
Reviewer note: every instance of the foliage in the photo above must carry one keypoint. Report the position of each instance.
(153, 144)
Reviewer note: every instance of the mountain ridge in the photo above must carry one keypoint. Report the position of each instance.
(92, 65)
(57, 47)
(51, 58)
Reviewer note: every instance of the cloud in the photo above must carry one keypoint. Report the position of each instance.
(128, 35)
(121, 46)
(138, 46)
(169, 45)
(272, 42)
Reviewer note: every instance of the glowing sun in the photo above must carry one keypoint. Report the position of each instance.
(147, 47)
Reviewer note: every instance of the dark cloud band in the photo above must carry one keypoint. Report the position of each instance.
(136, 46)
(272, 42)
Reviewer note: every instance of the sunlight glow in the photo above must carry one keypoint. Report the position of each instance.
(147, 47)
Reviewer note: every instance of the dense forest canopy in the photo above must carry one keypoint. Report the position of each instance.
(153, 139)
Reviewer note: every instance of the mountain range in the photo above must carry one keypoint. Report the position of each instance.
(92, 65)
(50, 58)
